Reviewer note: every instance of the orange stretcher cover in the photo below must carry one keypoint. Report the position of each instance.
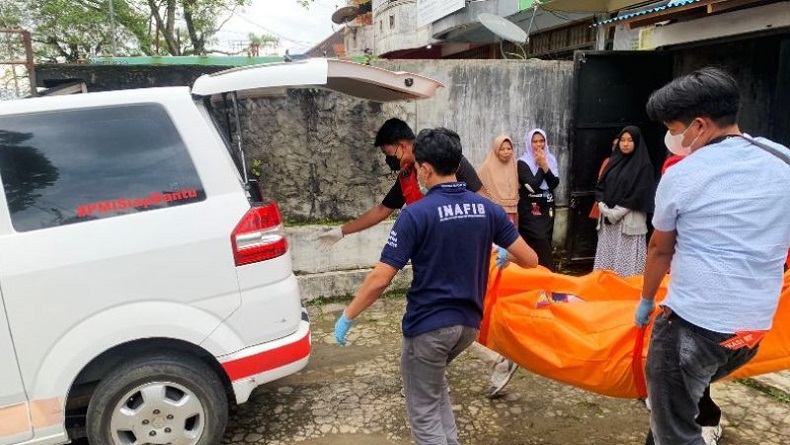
(587, 337)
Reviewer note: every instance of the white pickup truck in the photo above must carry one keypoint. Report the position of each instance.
(144, 280)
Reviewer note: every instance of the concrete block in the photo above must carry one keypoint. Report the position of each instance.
(344, 283)
(357, 251)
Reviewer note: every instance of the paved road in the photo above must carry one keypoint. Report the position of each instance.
(351, 395)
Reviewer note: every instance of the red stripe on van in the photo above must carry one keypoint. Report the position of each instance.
(268, 360)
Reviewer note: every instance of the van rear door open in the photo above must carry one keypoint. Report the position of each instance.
(14, 413)
(272, 80)
(353, 79)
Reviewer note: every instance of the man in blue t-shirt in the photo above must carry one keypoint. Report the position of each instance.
(447, 235)
(722, 220)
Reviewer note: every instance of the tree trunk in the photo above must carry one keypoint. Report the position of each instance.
(197, 41)
(166, 29)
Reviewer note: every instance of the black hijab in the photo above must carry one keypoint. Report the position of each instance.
(628, 179)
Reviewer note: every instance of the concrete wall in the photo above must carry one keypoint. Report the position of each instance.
(484, 98)
(317, 154)
(341, 270)
(395, 26)
(317, 149)
(358, 40)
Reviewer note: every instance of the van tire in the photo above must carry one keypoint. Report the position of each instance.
(172, 375)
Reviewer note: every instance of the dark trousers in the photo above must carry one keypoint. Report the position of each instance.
(537, 231)
(682, 361)
(709, 414)
(709, 411)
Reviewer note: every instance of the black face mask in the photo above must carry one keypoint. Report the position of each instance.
(392, 162)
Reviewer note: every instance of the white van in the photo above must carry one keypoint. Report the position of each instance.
(143, 279)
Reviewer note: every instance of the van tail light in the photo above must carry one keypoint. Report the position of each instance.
(259, 236)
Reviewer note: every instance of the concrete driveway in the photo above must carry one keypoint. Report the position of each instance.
(351, 395)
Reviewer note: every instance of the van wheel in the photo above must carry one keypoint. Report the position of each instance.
(162, 399)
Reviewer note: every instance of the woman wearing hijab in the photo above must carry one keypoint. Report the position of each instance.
(500, 184)
(499, 176)
(537, 177)
(625, 194)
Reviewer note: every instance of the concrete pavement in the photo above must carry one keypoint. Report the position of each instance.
(351, 395)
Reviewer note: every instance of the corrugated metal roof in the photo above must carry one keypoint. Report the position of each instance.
(670, 5)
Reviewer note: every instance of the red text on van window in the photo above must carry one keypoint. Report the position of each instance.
(134, 203)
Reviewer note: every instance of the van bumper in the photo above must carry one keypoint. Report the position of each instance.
(263, 363)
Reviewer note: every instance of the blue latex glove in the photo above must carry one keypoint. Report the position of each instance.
(502, 257)
(643, 312)
(342, 326)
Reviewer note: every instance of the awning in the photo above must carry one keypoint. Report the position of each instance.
(661, 11)
(656, 9)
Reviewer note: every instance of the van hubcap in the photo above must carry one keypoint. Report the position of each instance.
(158, 413)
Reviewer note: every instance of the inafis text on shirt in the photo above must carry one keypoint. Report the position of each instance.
(461, 211)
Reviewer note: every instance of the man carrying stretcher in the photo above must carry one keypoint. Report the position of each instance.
(722, 221)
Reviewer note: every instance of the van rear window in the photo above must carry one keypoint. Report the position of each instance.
(80, 165)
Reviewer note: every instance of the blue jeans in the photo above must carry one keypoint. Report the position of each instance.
(682, 361)
(424, 359)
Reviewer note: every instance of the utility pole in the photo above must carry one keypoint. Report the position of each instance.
(112, 30)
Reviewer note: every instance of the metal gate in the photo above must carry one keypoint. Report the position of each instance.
(610, 91)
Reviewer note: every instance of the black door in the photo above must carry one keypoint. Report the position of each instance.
(610, 91)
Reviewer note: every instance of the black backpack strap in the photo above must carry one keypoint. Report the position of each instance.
(784, 157)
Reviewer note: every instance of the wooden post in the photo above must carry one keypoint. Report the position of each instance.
(31, 68)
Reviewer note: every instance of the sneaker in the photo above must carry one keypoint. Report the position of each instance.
(503, 372)
(711, 434)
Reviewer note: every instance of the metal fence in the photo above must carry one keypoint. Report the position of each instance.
(17, 75)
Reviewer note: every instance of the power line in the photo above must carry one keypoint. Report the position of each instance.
(276, 34)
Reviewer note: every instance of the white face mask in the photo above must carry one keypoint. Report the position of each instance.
(675, 143)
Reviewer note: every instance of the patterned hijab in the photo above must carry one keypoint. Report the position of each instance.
(500, 179)
(529, 156)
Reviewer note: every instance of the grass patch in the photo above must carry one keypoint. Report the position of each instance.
(313, 222)
(323, 301)
(302, 222)
(766, 389)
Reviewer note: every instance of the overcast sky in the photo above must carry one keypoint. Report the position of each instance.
(298, 28)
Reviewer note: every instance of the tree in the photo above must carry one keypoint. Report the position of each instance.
(76, 29)
(70, 30)
(199, 19)
(263, 40)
